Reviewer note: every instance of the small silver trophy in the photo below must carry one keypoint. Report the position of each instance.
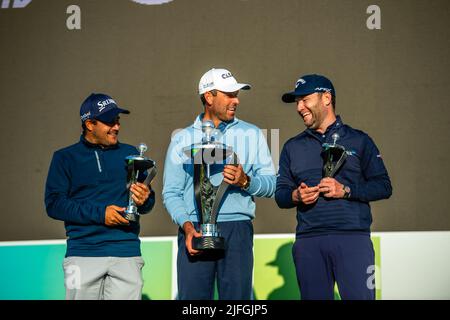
(207, 196)
(333, 156)
(137, 166)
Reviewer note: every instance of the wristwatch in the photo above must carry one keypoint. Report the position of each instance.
(347, 192)
(247, 183)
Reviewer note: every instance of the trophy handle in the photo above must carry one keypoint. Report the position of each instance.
(221, 192)
(338, 164)
(331, 167)
(150, 176)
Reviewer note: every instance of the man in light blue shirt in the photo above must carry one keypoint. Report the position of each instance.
(254, 176)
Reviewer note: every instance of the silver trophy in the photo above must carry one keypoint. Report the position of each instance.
(208, 197)
(333, 156)
(140, 169)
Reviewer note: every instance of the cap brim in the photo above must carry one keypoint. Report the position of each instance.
(245, 86)
(235, 87)
(291, 96)
(288, 97)
(111, 115)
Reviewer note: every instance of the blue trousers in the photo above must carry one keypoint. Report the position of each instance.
(231, 268)
(345, 259)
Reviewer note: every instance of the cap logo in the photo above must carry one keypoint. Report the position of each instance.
(102, 104)
(207, 85)
(85, 116)
(299, 82)
(226, 75)
(322, 89)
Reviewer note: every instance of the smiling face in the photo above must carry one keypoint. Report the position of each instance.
(221, 107)
(316, 110)
(104, 134)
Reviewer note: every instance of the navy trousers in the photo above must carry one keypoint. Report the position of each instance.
(231, 268)
(345, 259)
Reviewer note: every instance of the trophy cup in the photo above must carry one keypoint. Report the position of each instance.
(333, 156)
(207, 196)
(137, 165)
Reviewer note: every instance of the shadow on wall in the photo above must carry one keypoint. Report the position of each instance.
(286, 269)
(289, 290)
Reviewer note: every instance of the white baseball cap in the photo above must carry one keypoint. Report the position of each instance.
(220, 79)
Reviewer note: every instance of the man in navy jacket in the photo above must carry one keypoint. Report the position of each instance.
(87, 189)
(333, 233)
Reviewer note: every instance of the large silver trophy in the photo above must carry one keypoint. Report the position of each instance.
(333, 155)
(137, 166)
(208, 197)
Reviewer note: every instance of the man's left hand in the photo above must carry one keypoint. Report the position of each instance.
(141, 192)
(234, 175)
(331, 188)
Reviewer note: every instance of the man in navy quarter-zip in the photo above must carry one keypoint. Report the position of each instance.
(333, 232)
(87, 189)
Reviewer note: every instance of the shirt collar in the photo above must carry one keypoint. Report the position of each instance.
(336, 125)
(97, 146)
(223, 126)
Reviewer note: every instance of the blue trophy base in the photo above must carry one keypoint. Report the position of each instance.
(131, 216)
(208, 243)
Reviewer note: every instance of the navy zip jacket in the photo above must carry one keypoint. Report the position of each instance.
(83, 180)
(363, 171)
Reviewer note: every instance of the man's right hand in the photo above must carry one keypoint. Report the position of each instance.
(114, 218)
(190, 232)
(305, 194)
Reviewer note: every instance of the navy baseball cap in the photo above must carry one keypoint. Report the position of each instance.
(309, 84)
(101, 107)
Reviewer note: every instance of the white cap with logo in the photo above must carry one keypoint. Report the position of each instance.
(220, 79)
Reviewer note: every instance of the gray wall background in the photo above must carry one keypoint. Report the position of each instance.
(391, 83)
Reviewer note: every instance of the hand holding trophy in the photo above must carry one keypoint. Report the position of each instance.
(138, 165)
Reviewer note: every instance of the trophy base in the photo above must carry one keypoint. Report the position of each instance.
(131, 216)
(208, 243)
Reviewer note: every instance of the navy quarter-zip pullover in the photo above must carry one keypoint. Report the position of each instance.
(363, 171)
(83, 180)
